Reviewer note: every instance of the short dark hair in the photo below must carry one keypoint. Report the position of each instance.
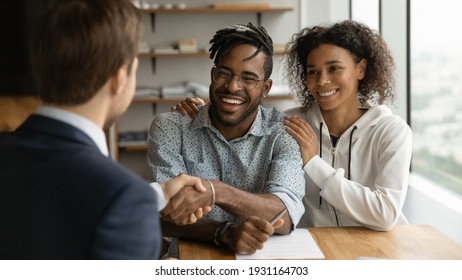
(361, 42)
(227, 38)
(80, 44)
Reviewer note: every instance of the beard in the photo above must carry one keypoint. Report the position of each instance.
(226, 120)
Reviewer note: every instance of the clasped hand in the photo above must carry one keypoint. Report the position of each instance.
(188, 205)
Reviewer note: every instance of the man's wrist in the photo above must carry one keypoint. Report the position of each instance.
(220, 232)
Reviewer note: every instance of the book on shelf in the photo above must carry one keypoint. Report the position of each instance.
(187, 46)
(174, 91)
(125, 144)
(146, 91)
(133, 138)
(182, 90)
(165, 50)
(144, 47)
(188, 50)
(279, 48)
(198, 89)
(186, 89)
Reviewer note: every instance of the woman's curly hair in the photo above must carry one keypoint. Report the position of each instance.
(358, 39)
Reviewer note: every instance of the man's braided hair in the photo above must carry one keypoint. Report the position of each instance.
(227, 38)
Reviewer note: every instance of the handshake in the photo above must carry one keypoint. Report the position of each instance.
(190, 198)
(187, 199)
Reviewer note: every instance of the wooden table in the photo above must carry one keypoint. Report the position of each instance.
(348, 243)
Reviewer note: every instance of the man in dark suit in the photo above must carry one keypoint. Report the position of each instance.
(61, 197)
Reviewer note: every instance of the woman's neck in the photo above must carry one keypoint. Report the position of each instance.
(338, 121)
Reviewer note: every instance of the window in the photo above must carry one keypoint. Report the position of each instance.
(436, 91)
(367, 12)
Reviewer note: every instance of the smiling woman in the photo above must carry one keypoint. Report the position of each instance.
(356, 153)
(330, 70)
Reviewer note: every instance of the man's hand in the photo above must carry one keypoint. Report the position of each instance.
(250, 236)
(191, 214)
(189, 203)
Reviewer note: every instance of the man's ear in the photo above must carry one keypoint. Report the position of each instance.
(362, 67)
(211, 73)
(266, 87)
(119, 80)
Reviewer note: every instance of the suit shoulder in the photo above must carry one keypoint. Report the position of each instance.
(103, 173)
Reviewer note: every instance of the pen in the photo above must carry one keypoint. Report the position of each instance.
(278, 216)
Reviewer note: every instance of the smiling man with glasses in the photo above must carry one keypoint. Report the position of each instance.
(250, 164)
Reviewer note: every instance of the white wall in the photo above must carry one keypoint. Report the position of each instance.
(394, 31)
(314, 12)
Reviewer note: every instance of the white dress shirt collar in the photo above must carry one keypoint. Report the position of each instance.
(88, 127)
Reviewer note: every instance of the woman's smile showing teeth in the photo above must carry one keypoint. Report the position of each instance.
(231, 101)
(327, 93)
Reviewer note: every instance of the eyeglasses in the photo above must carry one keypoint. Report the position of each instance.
(223, 76)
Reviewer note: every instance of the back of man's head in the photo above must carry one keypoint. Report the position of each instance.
(227, 38)
(79, 44)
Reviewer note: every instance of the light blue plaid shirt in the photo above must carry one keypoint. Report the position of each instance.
(265, 160)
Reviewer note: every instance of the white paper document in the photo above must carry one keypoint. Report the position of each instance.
(297, 245)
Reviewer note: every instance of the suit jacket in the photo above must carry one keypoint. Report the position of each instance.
(60, 198)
